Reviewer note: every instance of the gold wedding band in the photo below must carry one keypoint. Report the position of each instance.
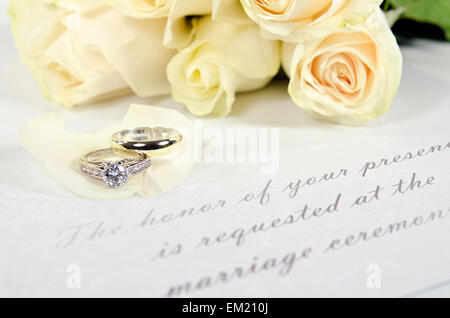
(154, 141)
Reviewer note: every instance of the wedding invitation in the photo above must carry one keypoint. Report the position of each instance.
(322, 210)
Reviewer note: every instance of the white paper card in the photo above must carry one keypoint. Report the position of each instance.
(346, 211)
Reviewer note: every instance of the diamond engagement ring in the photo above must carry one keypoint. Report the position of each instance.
(150, 141)
(113, 167)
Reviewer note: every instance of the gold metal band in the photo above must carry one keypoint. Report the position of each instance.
(150, 141)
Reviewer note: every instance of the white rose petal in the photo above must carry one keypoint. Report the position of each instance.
(349, 76)
(229, 11)
(180, 27)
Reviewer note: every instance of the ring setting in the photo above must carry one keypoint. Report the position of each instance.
(113, 172)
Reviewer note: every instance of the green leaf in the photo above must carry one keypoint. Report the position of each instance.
(431, 11)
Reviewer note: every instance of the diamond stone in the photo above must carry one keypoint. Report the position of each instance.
(115, 175)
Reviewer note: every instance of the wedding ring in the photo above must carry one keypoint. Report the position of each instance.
(113, 167)
(151, 141)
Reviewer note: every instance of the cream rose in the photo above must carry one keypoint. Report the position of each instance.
(81, 51)
(222, 60)
(348, 76)
(304, 20)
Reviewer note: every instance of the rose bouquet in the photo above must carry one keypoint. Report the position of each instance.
(342, 60)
